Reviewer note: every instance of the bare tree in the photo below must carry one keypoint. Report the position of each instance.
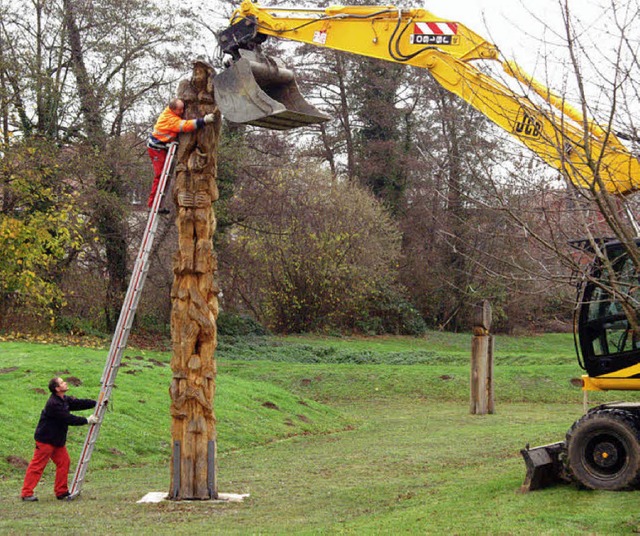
(75, 73)
(588, 195)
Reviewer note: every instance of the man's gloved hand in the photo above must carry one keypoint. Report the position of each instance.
(92, 419)
(209, 118)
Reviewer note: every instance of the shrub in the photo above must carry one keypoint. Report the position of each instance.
(77, 326)
(311, 252)
(238, 325)
(391, 314)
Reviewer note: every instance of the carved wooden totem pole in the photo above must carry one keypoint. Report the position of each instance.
(194, 298)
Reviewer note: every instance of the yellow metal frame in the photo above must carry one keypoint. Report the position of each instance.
(620, 380)
(589, 155)
(362, 30)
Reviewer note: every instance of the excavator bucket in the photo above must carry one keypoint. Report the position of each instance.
(544, 466)
(259, 90)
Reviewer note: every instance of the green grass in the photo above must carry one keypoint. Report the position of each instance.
(351, 447)
(137, 427)
(435, 348)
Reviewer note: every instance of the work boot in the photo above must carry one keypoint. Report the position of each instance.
(63, 496)
(163, 211)
(30, 498)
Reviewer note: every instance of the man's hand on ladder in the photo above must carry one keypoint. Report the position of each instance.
(92, 419)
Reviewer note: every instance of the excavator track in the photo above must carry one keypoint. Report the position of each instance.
(603, 448)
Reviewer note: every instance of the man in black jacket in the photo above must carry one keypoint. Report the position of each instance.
(51, 437)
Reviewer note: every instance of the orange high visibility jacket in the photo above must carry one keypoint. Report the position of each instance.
(168, 126)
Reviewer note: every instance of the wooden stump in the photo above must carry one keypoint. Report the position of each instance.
(482, 396)
(194, 298)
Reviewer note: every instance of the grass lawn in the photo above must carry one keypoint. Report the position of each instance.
(353, 445)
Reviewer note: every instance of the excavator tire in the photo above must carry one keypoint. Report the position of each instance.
(603, 450)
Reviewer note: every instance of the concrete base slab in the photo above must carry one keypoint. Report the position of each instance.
(232, 497)
(159, 496)
(153, 497)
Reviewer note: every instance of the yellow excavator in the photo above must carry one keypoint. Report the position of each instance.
(601, 450)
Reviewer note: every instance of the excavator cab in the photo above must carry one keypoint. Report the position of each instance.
(256, 89)
(607, 343)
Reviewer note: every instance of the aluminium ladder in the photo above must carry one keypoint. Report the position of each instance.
(123, 328)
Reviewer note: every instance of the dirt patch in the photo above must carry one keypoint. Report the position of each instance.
(74, 381)
(157, 363)
(7, 370)
(303, 418)
(17, 461)
(39, 391)
(270, 405)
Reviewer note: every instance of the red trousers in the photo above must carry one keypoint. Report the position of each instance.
(41, 457)
(157, 159)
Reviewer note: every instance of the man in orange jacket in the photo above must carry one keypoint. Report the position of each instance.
(165, 131)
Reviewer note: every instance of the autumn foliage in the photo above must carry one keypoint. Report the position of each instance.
(41, 229)
(309, 252)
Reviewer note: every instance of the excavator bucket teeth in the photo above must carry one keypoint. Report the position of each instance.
(544, 466)
(261, 91)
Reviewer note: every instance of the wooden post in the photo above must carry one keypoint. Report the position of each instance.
(194, 298)
(482, 398)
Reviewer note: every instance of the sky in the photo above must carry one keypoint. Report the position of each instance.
(522, 29)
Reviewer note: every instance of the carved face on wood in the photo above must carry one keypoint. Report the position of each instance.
(202, 72)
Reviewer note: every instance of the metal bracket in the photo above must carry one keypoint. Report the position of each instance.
(243, 34)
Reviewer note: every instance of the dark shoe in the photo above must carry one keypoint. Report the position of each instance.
(30, 498)
(64, 496)
(163, 211)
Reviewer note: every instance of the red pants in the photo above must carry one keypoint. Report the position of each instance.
(41, 457)
(157, 159)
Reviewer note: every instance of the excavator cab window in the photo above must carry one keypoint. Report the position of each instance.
(610, 318)
(606, 341)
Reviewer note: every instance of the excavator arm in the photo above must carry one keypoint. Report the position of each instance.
(383, 32)
(258, 90)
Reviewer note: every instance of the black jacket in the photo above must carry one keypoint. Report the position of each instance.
(56, 418)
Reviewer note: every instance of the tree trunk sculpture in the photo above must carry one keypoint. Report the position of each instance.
(194, 298)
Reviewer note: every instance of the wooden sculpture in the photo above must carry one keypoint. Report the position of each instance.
(194, 298)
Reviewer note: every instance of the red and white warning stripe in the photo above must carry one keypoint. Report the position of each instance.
(435, 28)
